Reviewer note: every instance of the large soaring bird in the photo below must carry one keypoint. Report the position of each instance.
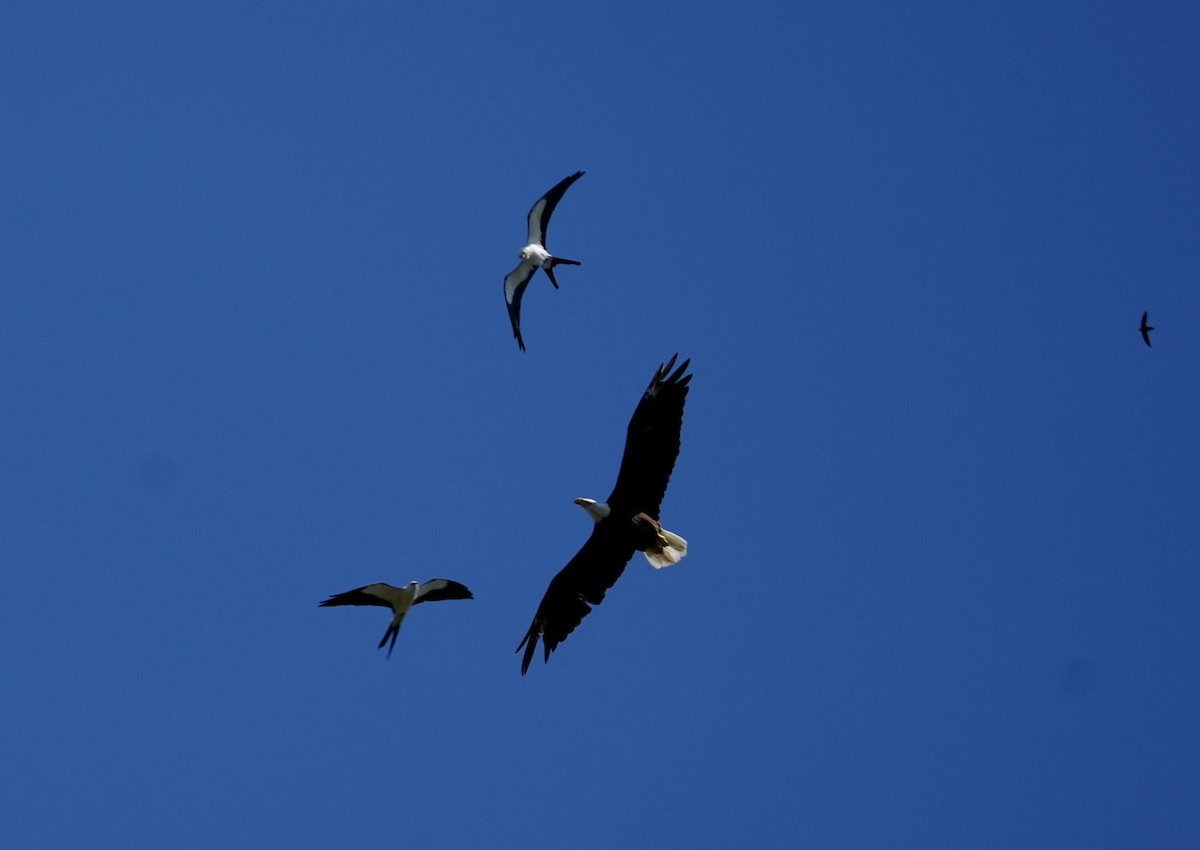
(627, 522)
(534, 256)
(399, 599)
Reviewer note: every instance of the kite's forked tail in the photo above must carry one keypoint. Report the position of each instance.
(558, 261)
(392, 632)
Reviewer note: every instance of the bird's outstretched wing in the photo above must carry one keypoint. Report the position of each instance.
(580, 584)
(652, 443)
(514, 287)
(543, 208)
(383, 595)
(437, 589)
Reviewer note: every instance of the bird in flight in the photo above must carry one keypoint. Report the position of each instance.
(534, 255)
(399, 599)
(1145, 328)
(627, 522)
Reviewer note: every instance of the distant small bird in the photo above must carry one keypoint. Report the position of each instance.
(628, 522)
(1145, 328)
(399, 599)
(534, 256)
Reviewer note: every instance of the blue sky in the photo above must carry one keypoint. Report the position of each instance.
(941, 499)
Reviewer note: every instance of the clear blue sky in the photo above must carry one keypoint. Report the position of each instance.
(943, 503)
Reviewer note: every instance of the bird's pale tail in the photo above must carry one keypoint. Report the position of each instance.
(667, 550)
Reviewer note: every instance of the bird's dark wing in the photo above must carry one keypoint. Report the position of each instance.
(1145, 316)
(514, 287)
(581, 583)
(1146, 335)
(540, 212)
(652, 443)
(371, 594)
(437, 589)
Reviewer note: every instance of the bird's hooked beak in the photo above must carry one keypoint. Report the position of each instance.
(596, 510)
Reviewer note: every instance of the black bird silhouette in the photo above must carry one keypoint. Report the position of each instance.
(1145, 328)
(628, 522)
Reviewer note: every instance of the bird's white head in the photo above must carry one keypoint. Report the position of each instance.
(596, 510)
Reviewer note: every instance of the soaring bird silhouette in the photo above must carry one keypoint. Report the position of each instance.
(1145, 328)
(400, 600)
(534, 255)
(628, 522)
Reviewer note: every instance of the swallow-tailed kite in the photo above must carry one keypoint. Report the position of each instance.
(534, 256)
(399, 599)
(627, 522)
